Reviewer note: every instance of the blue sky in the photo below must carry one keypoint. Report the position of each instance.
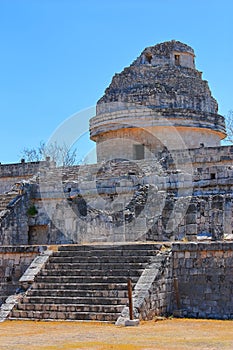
(58, 56)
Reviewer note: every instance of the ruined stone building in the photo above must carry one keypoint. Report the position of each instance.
(160, 93)
(162, 179)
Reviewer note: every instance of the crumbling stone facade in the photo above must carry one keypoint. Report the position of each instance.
(10, 174)
(161, 175)
(159, 100)
(125, 201)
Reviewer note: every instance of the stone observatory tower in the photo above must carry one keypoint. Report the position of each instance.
(159, 101)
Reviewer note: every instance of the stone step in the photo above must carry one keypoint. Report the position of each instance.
(103, 259)
(80, 286)
(5, 202)
(52, 315)
(70, 307)
(94, 273)
(98, 264)
(105, 252)
(79, 293)
(6, 199)
(53, 299)
(82, 279)
(126, 247)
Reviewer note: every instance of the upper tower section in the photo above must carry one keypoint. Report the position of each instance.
(161, 91)
(163, 76)
(168, 53)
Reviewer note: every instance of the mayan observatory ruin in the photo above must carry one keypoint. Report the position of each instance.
(155, 209)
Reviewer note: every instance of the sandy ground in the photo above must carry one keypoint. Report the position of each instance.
(167, 334)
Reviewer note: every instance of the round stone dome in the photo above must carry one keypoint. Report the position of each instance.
(161, 90)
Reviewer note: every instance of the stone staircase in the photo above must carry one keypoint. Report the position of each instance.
(5, 200)
(85, 282)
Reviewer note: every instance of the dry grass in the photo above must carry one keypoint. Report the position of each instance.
(179, 334)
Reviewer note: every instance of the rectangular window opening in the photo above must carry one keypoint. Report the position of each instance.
(139, 152)
(177, 60)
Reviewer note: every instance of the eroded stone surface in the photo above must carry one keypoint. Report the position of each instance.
(162, 94)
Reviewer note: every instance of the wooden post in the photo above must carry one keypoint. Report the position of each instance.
(176, 288)
(130, 297)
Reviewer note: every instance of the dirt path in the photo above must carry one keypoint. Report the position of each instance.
(176, 334)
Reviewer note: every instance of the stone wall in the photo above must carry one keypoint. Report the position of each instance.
(157, 297)
(121, 143)
(161, 87)
(208, 217)
(183, 195)
(152, 294)
(202, 157)
(13, 263)
(13, 173)
(205, 279)
(116, 131)
(14, 222)
(140, 200)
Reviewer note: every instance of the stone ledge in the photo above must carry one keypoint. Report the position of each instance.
(21, 249)
(200, 246)
(35, 267)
